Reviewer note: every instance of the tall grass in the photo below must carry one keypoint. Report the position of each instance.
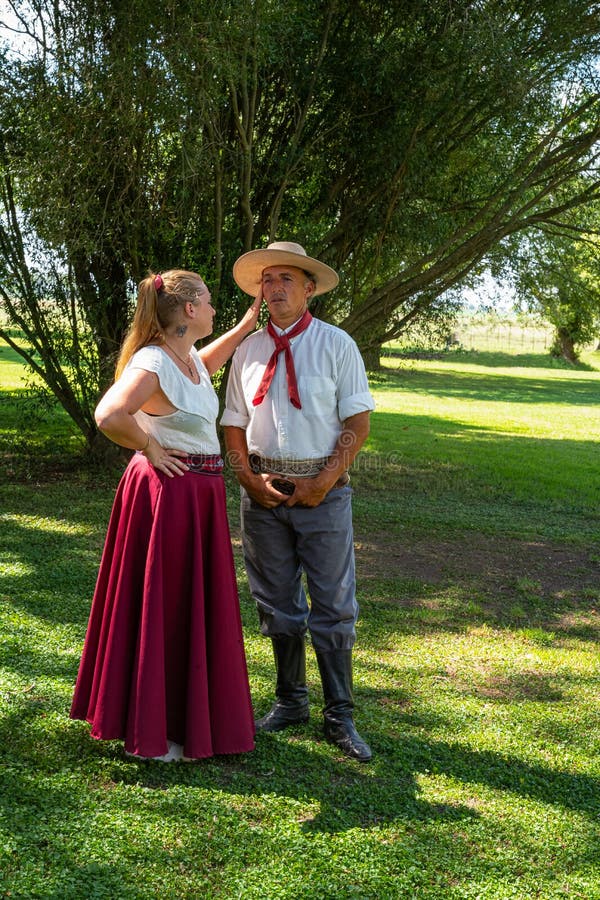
(477, 670)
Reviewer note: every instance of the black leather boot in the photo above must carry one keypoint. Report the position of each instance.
(291, 706)
(335, 667)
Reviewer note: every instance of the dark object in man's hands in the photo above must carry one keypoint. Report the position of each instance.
(284, 487)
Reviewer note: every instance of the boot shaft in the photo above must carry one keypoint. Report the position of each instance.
(335, 667)
(290, 664)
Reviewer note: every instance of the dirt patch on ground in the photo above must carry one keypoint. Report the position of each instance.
(537, 582)
(544, 582)
(549, 568)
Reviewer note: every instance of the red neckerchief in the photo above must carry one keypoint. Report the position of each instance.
(282, 344)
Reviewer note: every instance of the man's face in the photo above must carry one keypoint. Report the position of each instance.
(286, 290)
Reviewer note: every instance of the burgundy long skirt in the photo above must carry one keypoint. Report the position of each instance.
(163, 657)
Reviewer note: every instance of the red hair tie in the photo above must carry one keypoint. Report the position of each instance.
(158, 282)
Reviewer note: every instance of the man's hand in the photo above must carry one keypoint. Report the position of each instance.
(310, 491)
(260, 488)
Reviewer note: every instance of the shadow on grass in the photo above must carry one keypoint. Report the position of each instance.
(354, 795)
(485, 387)
(334, 793)
(491, 359)
(51, 539)
(55, 773)
(43, 860)
(434, 455)
(393, 430)
(552, 618)
(220, 814)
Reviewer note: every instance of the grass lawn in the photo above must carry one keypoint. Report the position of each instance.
(477, 674)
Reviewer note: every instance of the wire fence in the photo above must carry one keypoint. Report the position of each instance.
(503, 337)
(487, 335)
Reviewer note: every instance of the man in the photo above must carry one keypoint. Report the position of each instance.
(297, 413)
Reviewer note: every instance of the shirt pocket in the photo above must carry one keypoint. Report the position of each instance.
(317, 396)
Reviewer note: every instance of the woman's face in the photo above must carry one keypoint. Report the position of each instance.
(204, 311)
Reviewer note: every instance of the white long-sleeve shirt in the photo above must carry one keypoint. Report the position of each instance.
(332, 384)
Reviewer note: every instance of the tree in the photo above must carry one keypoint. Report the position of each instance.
(401, 143)
(557, 273)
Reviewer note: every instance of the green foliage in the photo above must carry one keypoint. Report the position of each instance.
(401, 143)
(557, 273)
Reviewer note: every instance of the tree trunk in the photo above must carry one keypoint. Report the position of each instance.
(563, 346)
(371, 358)
(105, 453)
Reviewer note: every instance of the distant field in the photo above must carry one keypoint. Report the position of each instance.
(487, 334)
(509, 337)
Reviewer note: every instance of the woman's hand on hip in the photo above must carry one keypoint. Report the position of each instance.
(165, 459)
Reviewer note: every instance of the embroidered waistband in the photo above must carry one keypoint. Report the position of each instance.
(299, 468)
(206, 463)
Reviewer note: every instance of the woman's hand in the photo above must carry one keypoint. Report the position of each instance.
(250, 318)
(216, 354)
(165, 459)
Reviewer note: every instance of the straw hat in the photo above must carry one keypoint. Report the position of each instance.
(248, 269)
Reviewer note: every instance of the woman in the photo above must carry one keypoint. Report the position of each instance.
(163, 665)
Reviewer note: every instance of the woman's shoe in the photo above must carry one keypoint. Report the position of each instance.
(173, 754)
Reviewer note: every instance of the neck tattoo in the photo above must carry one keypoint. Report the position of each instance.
(186, 362)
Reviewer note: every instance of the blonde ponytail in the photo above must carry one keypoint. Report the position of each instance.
(158, 298)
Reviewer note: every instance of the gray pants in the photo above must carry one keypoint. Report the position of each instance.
(279, 544)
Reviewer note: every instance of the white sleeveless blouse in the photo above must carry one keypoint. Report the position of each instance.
(192, 427)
